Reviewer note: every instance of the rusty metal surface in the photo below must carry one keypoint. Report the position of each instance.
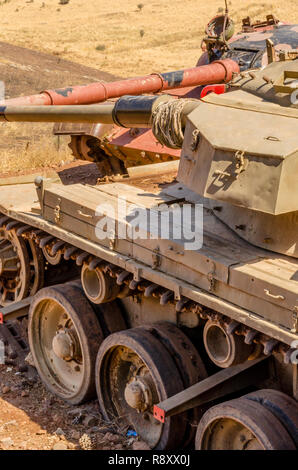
(213, 73)
(253, 43)
(15, 310)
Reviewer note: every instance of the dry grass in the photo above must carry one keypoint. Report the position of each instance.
(107, 35)
(117, 37)
(30, 152)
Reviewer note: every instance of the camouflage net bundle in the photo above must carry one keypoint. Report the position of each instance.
(166, 123)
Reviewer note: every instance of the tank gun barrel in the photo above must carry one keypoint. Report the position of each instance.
(83, 114)
(128, 111)
(165, 114)
(216, 72)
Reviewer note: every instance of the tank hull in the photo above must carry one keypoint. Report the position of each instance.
(161, 287)
(226, 266)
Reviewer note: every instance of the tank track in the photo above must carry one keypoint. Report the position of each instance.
(89, 148)
(144, 288)
(13, 334)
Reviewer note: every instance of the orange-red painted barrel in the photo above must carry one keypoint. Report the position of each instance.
(216, 72)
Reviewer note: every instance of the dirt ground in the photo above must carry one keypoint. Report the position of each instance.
(33, 419)
(24, 71)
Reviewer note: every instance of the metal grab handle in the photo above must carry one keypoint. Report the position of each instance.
(278, 297)
(88, 216)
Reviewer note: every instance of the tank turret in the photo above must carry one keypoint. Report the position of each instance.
(241, 152)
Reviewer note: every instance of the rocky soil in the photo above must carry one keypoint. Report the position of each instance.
(33, 419)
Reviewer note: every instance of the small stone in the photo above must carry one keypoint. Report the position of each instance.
(112, 437)
(90, 421)
(6, 442)
(71, 446)
(59, 432)
(57, 419)
(29, 359)
(118, 447)
(5, 389)
(140, 445)
(75, 435)
(11, 423)
(60, 446)
(76, 412)
(77, 420)
(41, 432)
(49, 401)
(95, 429)
(24, 393)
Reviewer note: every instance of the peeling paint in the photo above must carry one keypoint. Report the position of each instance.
(64, 91)
(173, 78)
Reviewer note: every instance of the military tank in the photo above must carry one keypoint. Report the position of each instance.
(116, 150)
(189, 336)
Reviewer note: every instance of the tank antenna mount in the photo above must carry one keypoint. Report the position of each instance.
(225, 24)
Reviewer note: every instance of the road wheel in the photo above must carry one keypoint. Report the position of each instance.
(134, 371)
(15, 269)
(64, 336)
(241, 424)
(282, 406)
(188, 362)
